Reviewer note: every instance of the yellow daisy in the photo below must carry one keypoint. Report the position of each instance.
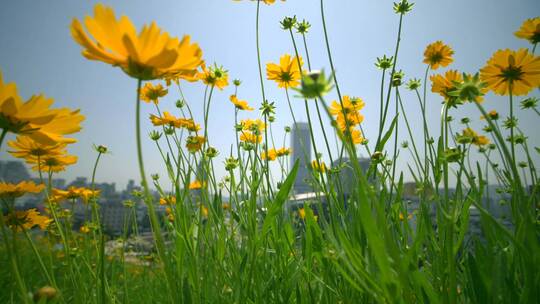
(515, 72)
(240, 104)
(287, 73)
(150, 54)
(27, 219)
(151, 93)
(444, 84)
(530, 30)
(9, 190)
(35, 118)
(438, 54)
(214, 76)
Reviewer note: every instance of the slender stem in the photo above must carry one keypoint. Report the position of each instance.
(2, 136)
(512, 145)
(160, 245)
(391, 76)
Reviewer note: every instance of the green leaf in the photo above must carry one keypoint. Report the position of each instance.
(387, 135)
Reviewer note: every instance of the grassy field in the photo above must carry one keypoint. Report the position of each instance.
(358, 240)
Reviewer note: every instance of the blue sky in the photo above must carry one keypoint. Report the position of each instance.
(38, 53)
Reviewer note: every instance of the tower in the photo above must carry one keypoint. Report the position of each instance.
(301, 150)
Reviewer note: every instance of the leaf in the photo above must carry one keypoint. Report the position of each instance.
(387, 135)
(276, 206)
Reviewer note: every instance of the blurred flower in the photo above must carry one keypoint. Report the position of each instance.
(151, 93)
(211, 152)
(9, 190)
(168, 200)
(476, 139)
(287, 73)
(443, 85)
(240, 104)
(195, 143)
(151, 54)
(515, 72)
(73, 193)
(469, 89)
(397, 78)
(530, 30)
(438, 55)
(52, 163)
(529, 103)
(302, 27)
(318, 165)
(27, 219)
(195, 185)
(384, 63)
(315, 84)
(214, 76)
(268, 2)
(250, 137)
(35, 118)
(413, 84)
(45, 294)
(253, 125)
(272, 155)
(26, 147)
(231, 163)
(84, 229)
(402, 7)
(288, 23)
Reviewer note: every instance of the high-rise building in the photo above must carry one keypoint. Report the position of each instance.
(301, 150)
(12, 171)
(347, 176)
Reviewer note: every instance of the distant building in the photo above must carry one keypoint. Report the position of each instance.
(347, 177)
(13, 171)
(301, 150)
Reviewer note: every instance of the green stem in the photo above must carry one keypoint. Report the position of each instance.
(160, 244)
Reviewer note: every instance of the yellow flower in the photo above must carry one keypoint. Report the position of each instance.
(169, 200)
(319, 168)
(356, 135)
(254, 125)
(508, 71)
(196, 185)
(250, 137)
(444, 84)
(151, 93)
(287, 73)
(272, 155)
(166, 120)
(35, 118)
(302, 214)
(189, 124)
(214, 76)
(204, 211)
(476, 139)
(530, 30)
(9, 190)
(283, 151)
(349, 105)
(52, 163)
(84, 229)
(195, 143)
(267, 2)
(25, 147)
(240, 104)
(438, 54)
(27, 219)
(348, 115)
(151, 54)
